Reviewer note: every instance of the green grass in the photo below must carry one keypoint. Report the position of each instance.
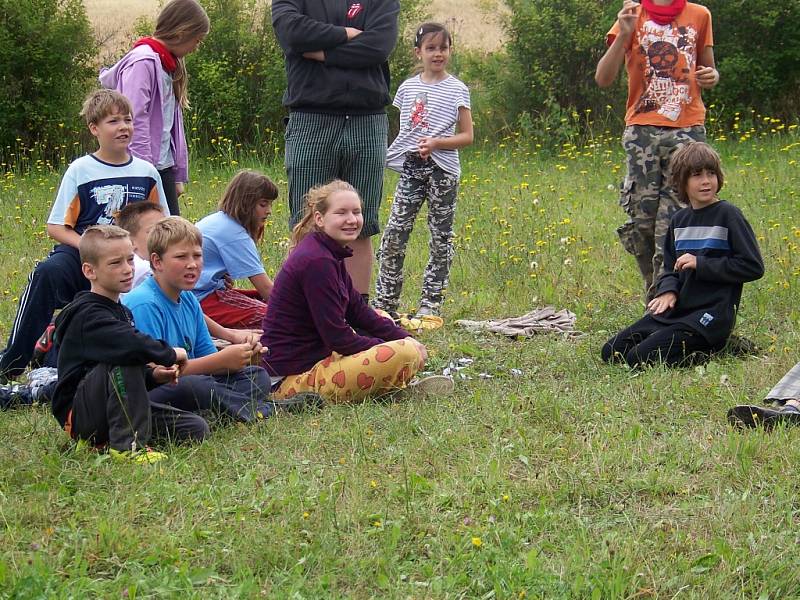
(574, 480)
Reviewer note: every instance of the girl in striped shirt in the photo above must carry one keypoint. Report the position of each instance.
(435, 121)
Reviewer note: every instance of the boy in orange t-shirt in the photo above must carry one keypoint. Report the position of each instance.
(667, 47)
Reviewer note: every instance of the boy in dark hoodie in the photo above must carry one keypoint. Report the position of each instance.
(106, 367)
(709, 253)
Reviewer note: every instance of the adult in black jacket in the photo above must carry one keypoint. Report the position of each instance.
(337, 73)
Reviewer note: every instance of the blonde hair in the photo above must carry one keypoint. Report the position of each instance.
(170, 231)
(179, 21)
(244, 191)
(92, 246)
(101, 103)
(317, 202)
(693, 158)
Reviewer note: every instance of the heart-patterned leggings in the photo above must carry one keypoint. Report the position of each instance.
(341, 379)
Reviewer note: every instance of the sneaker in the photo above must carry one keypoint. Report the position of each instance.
(746, 415)
(42, 382)
(15, 394)
(740, 346)
(432, 385)
(425, 311)
(304, 401)
(147, 456)
(43, 345)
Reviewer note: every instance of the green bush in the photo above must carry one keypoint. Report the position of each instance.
(46, 49)
(545, 75)
(553, 47)
(236, 81)
(757, 49)
(238, 77)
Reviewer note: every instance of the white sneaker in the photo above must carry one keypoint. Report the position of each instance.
(438, 385)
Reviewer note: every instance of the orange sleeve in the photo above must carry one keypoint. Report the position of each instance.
(72, 212)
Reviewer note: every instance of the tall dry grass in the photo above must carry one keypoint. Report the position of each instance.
(474, 23)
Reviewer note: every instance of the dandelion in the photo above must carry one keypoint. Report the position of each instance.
(476, 541)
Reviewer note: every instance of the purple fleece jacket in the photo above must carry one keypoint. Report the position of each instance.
(314, 309)
(138, 75)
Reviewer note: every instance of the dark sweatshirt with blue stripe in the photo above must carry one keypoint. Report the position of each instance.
(727, 257)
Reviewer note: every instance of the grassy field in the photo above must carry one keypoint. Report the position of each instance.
(474, 23)
(572, 479)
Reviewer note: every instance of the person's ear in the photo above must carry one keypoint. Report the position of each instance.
(318, 219)
(155, 261)
(88, 271)
(93, 129)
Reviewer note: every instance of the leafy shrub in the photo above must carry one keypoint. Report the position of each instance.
(757, 49)
(46, 49)
(237, 79)
(553, 47)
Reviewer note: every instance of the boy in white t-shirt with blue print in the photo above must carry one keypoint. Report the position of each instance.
(95, 187)
(435, 121)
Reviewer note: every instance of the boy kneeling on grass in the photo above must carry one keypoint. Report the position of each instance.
(110, 374)
(709, 253)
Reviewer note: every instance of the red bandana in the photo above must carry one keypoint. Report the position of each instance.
(663, 15)
(168, 60)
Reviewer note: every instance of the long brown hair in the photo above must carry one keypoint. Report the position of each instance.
(179, 21)
(241, 196)
(317, 201)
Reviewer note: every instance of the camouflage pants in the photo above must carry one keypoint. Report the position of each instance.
(421, 179)
(647, 196)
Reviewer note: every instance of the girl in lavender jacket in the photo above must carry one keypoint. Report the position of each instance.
(153, 77)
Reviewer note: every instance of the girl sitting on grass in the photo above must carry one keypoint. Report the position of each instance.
(230, 238)
(320, 334)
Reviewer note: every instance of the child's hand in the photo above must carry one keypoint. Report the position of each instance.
(181, 356)
(238, 356)
(707, 77)
(243, 336)
(423, 351)
(662, 303)
(627, 18)
(426, 145)
(228, 280)
(686, 261)
(163, 375)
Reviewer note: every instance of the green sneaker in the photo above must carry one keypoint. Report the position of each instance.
(140, 457)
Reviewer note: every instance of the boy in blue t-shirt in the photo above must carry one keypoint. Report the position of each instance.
(164, 307)
(93, 190)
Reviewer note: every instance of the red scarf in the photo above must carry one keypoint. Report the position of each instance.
(663, 15)
(168, 60)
